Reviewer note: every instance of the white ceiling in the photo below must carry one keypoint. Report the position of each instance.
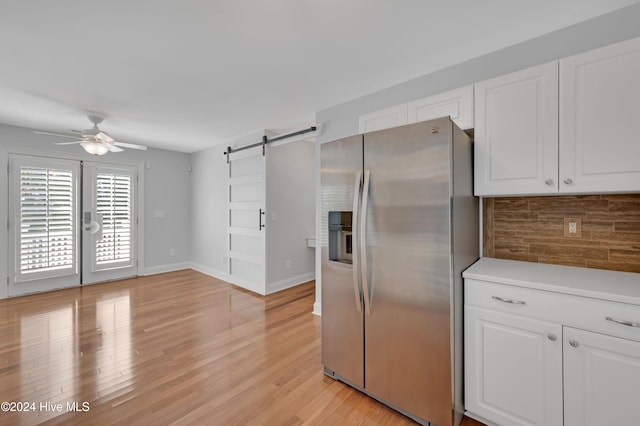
(189, 74)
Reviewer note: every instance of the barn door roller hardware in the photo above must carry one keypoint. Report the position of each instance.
(265, 140)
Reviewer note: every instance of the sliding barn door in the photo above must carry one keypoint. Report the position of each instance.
(246, 220)
(109, 222)
(43, 236)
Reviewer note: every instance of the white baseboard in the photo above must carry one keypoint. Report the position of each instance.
(208, 271)
(166, 268)
(216, 273)
(253, 286)
(317, 309)
(290, 282)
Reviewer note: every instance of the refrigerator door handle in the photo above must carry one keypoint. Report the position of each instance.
(357, 189)
(363, 241)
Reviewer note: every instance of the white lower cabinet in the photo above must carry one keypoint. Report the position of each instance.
(601, 379)
(513, 371)
(551, 345)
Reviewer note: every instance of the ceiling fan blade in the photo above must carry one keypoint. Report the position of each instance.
(113, 148)
(130, 145)
(55, 134)
(68, 143)
(104, 137)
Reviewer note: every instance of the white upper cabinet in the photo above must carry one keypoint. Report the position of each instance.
(516, 133)
(541, 131)
(457, 103)
(383, 119)
(599, 113)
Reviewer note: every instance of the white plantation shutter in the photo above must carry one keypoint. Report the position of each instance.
(45, 238)
(114, 206)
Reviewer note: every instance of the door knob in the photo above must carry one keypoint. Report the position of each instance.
(568, 181)
(552, 337)
(574, 343)
(549, 182)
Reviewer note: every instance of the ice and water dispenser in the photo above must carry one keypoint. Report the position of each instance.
(340, 239)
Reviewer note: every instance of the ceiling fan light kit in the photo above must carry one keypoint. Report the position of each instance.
(95, 141)
(95, 148)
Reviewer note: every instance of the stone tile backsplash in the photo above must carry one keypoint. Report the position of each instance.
(532, 229)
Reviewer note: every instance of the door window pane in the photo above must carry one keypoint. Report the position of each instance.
(44, 213)
(114, 206)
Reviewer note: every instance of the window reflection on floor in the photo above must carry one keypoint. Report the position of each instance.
(113, 357)
(48, 348)
(60, 344)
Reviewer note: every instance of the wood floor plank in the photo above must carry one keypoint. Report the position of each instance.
(177, 348)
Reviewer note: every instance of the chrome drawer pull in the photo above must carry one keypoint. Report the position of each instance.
(512, 301)
(623, 322)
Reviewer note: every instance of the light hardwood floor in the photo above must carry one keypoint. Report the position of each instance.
(175, 348)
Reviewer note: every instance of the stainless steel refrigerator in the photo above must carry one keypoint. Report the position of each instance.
(399, 224)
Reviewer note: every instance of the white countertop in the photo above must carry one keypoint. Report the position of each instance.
(597, 283)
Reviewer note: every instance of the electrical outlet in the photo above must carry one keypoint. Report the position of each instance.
(223, 259)
(573, 227)
(287, 264)
(172, 252)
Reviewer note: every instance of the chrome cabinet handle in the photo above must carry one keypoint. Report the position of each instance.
(574, 343)
(512, 301)
(260, 224)
(623, 322)
(357, 189)
(549, 182)
(363, 241)
(568, 181)
(552, 337)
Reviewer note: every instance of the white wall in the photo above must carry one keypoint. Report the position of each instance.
(342, 120)
(166, 190)
(209, 211)
(291, 198)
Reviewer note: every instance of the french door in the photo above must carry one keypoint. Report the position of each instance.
(108, 222)
(71, 223)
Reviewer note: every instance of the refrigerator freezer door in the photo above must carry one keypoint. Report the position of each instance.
(342, 321)
(407, 333)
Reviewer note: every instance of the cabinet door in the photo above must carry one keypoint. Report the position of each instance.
(516, 133)
(457, 104)
(513, 368)
(383, 119)
(599, 110)
(601, 379)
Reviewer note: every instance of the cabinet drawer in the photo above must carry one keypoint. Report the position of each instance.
(576, 311)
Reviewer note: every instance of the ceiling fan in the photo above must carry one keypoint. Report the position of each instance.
(94, 140)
